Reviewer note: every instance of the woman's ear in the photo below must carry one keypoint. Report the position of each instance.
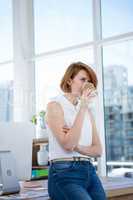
(69, 81)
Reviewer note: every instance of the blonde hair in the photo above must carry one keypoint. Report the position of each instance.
(72, 71)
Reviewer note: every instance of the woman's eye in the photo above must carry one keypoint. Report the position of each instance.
(83, 79)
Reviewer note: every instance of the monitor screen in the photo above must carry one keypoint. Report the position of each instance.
(17, 137)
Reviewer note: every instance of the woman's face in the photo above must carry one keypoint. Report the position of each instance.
(78, 82)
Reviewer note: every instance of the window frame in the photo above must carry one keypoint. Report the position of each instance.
(97, 44)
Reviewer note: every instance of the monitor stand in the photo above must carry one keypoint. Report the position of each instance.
(8, 181)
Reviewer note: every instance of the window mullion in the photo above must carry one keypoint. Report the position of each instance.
(97, 29)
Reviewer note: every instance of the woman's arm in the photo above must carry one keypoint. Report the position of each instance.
(56, 122)
(95, 149)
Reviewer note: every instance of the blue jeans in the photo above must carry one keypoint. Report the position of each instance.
(69, 180)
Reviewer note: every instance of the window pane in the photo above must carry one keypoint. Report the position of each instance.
(117, 17)
(118, 100)
(59, 24)
(6, 92)
(6, 42)
(6, 72)
(49, 72)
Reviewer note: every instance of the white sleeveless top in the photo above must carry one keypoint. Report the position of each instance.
(70, 112)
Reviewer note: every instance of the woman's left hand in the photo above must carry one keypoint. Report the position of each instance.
(65, 129)
(78, 148)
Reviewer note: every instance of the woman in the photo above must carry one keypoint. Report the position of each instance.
(73, 138)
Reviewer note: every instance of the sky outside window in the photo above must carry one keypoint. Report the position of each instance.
(117, 17)
(6, 34)
(60, 24)
(120, 54)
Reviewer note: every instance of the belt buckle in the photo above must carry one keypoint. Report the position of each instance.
(81, 159)
(76, 158)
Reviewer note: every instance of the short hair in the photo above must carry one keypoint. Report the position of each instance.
(72, 71)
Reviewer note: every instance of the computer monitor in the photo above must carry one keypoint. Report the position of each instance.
(17, 137)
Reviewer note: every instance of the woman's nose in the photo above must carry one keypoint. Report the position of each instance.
(85, 82)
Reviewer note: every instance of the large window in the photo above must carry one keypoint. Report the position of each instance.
(118, 85)
(65, 32)
(118, 98)
(117, 17)
(6, 67)
(6, 92)
(60, 24)
(6, 42)
(60, 29)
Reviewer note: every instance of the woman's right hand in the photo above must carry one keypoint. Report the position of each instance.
(88, 92)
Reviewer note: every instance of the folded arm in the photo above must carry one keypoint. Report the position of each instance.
(55, 120)
(95, 149)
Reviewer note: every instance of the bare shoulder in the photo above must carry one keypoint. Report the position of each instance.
(54, 106)
(54, 109)
(55, 119)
